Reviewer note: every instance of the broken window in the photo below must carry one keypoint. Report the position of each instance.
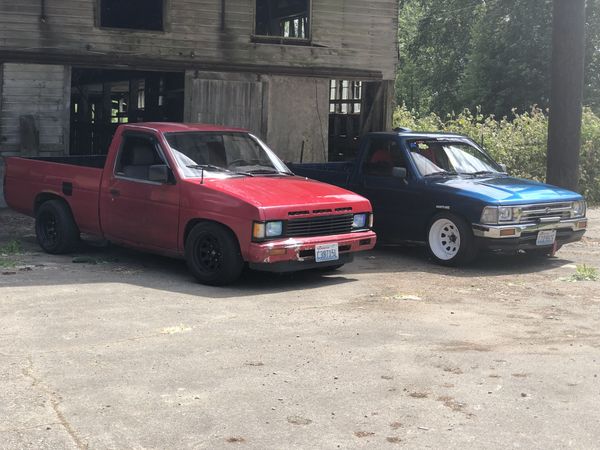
(132, 14)
(283, 18)
(345, 97)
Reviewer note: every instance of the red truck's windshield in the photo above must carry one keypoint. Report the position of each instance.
(225, 153)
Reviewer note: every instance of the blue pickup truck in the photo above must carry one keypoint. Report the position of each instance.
(447, 192)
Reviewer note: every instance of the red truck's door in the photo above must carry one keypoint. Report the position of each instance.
(133, 209)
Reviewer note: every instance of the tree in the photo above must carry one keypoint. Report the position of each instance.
(564, 135)
(508, 63)
(494, 54)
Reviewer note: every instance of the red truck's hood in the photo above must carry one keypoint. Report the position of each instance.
(289, 193)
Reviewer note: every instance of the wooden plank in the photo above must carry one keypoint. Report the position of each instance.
(36, 96)
(354, 34)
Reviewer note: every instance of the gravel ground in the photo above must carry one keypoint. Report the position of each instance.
(125, 350)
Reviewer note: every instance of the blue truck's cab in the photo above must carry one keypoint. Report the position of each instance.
(444, 190)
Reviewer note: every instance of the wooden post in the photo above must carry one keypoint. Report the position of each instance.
(564, 133)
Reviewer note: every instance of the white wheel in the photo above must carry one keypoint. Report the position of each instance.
(450, 240)
(444, 239)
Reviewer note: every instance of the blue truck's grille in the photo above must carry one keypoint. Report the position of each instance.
(319, 226)
(533, 213)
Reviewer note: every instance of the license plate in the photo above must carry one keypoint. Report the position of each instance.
(327, 252)
(546, 237)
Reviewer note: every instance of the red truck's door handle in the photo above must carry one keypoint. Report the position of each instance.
(114, 192)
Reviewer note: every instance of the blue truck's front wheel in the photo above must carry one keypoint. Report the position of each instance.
(450, 240)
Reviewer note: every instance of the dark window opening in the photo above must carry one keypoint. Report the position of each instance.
(345, 118)
(101, 100)
(345, 97)
(283, 18)
(132, 14)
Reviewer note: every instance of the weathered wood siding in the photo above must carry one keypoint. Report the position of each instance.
(41, 91)
(347, 36)
(228, 99)
(289, 113)
(298, 116)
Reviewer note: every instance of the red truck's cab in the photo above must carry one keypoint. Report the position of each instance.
(216, 195)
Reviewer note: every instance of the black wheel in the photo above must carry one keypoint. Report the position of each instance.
(450, 240)
(55, 227)
(213, 254)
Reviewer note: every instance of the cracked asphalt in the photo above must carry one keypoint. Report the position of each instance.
(124, 350)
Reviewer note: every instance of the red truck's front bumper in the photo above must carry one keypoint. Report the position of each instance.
(292, 254)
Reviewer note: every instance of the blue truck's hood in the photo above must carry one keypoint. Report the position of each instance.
(505, 190)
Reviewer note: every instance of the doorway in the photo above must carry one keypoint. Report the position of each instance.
(102, 99)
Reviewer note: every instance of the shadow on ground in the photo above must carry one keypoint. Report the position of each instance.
(114, 264)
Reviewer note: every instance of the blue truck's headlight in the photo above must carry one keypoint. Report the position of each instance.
(505, 214)
(274, 229)
(578, 209)
(360, 221)
(489, 215)
(493, 215)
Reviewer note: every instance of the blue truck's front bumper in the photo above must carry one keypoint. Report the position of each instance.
(524, 236)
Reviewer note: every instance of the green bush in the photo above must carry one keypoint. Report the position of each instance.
(519, 143)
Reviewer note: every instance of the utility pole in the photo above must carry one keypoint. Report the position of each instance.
(564, 133)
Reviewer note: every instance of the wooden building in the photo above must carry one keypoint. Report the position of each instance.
(308, 76)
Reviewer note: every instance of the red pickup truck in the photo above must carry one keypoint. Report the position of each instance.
(217, 196)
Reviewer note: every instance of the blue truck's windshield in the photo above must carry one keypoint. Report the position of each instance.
(451, 157)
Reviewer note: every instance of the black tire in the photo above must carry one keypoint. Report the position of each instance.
(459, 246)
(213, 254)
(55, 228)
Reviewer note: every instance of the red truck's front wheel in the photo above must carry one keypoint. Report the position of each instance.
(213, 254)
(55, 229)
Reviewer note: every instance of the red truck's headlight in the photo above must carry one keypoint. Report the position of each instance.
(362, 221)
(266, 230)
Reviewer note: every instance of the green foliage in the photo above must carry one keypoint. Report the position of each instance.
(493, 54)
(520, 143)
(585, 273)
(11, 248)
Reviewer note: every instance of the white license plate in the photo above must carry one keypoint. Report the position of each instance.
(546, 237)
(327, 252)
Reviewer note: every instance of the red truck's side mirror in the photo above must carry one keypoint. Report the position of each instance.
(159, 173)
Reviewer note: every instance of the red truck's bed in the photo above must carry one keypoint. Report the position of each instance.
(28, 178)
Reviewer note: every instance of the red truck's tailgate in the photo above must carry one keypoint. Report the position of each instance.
(28, 178)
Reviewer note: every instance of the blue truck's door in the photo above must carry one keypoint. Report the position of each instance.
(398, 203)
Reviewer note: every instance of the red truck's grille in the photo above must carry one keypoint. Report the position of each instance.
(319, 226)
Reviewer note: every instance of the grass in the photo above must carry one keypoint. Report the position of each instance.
(7, 263)
(585, 273)
(11, 248)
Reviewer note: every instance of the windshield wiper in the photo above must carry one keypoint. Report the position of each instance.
(265, 172)
(440, 172)
(482, 172)
(217, 168)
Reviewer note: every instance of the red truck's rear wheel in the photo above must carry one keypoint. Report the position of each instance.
(55, 229)
(213, 254)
